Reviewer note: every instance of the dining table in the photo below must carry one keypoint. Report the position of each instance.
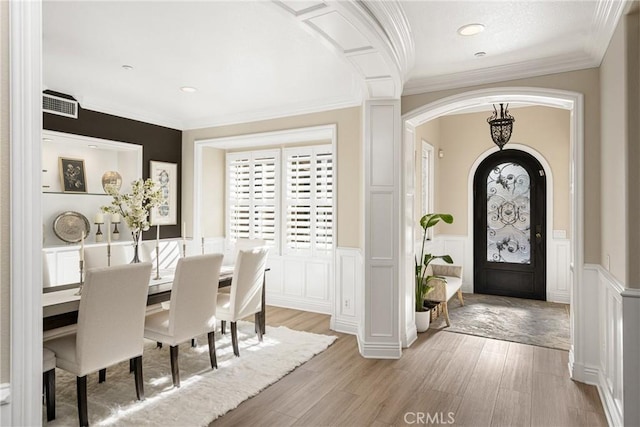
(60, 303)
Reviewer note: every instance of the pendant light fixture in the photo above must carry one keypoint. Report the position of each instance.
(502, 126)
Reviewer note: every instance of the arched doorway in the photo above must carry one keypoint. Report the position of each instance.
(510, 226)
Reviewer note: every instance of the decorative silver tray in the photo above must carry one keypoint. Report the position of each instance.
(68, 226)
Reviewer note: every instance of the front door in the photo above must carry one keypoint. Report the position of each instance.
(509, 226)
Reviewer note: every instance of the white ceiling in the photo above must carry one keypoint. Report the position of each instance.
(253, 60)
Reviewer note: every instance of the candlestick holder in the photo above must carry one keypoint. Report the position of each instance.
(99, 235)
(108, 254)
(157, 263)
(116, 234)
(81, 278)
(203, 246)
(184, 250)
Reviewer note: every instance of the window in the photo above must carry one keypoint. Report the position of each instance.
(254, 192)
(309, 200)
(253, 196)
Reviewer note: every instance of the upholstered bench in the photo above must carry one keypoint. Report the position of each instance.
(443, 290)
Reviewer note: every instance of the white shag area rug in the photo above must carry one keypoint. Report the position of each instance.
(204, 394)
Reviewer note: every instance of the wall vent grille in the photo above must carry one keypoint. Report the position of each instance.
(60, 106)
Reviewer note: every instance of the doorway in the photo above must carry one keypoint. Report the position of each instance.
(510, 226)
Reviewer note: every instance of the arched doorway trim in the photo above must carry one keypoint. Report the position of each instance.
(574, 102)
(547, 171)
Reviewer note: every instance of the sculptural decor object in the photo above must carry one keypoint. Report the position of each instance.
(111, 179)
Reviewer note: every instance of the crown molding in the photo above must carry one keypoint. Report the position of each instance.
(501, 73)
(606, 17)
(119, 110)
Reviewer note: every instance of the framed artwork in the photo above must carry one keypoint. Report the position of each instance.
(72, 175)
(165, 176)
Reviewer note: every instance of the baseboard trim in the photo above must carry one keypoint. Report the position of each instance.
(379, 350)
(344, 326)
(299, 304)
(411, 337)
(611, 411)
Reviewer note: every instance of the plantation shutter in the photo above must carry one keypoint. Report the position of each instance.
(308, 201)
(253, 196)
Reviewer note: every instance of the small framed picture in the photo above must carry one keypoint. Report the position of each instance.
(72, 175)
(165, 175)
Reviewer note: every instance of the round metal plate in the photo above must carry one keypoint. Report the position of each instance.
(68, 226)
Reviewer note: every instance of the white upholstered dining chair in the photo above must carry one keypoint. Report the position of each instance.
(110, 327)
(192, 308)
(245, 297)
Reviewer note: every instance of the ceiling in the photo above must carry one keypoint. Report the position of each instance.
(254, 60)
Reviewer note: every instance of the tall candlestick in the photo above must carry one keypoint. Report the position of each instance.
(184, 232)
(82, 247)
(158, 235)
(108, 234)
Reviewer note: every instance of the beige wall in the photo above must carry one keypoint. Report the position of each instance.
(5, 285)
(586, 82)
(619, 74)
(464, 137)
(213, 196)
(349, 167)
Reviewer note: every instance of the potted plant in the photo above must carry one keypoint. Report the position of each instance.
(422, 278)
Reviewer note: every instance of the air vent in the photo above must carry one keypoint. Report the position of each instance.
(60, 106)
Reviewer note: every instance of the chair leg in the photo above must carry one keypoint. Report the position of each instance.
(102, 375)
(137, 363)
(49, 381)
(445, 309)
(81, 387)
(223, 326)
(460, 297)
(158, 344)
(212, 350)
(234, 338)
(258, 328)
(194, 342)
(175, 372)
(131, 367)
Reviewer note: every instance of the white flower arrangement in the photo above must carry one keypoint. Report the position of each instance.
(134, 207)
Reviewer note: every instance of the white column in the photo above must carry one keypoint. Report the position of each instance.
(26, 233)
(408, 330)
(379, 332)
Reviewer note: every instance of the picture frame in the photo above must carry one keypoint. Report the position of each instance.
(165, 175)
(72, 175)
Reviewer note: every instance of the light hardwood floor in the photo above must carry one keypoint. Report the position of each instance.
(443, 378)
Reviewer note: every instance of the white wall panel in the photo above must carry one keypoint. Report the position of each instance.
(294, 277)
(317, 281)
(382, 214)
(381, 316)
(382, 148)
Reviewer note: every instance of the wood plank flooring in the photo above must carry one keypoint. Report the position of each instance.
(443, 378)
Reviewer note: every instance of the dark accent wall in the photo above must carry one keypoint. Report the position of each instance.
(158, 142)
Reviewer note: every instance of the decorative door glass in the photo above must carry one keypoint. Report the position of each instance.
(508, 214)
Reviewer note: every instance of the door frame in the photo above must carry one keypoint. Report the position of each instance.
(564, 99)
(549, 196)
(548, 206)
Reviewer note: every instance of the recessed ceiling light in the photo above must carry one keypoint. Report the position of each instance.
(479, 54)
(93, 146)
(188, 89)
(127, 67)
(470, 29)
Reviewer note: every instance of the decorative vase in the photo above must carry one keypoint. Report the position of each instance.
(136, 246)
(111, 180)
(423, 319)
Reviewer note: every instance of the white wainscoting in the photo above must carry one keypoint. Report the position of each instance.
(613, 312)
(347, 309)
(300, 283)
(461, 250)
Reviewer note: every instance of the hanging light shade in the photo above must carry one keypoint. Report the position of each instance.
(501, 127)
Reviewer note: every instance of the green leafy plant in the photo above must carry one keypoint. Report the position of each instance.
(422, 262)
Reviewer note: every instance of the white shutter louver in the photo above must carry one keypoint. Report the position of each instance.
(253, 196)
